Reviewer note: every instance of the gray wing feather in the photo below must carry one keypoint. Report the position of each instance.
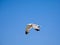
(28, 27)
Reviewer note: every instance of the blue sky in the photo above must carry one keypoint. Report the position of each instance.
(15, 15)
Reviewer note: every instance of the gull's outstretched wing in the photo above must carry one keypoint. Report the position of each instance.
(28, 27)
(36, 27)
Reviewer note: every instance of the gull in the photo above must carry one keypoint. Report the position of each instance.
(30, 26)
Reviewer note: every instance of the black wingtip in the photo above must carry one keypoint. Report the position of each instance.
(37, 29)
(26, 32)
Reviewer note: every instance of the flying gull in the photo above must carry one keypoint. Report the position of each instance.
(30, 26)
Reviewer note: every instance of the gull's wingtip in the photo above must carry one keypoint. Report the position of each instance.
(37, 29)
(26, 32)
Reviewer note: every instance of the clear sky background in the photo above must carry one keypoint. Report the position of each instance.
(15, 15)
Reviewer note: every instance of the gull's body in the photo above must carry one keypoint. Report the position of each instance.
(30, 26)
